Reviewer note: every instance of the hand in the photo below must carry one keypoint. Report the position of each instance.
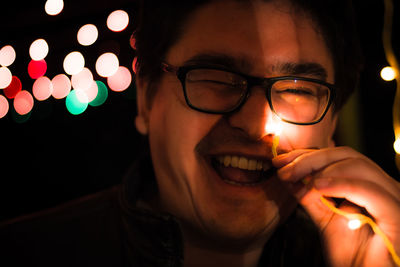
(344, 173)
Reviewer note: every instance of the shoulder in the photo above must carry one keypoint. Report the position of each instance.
(85, 228)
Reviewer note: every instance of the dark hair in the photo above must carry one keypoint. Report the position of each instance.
(161, 24)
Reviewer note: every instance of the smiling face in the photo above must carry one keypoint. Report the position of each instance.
(208, 166)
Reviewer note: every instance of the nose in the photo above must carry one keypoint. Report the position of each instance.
(253, 116)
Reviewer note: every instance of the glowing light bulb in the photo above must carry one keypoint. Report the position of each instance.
(388, 73)
(121, 80)
(4, 106)
(118, 20)
(23, 102)
(5, 77)
(61, 86)
(354, 224)
(7, 55)
(54, 7)
(396, 145)
(42, 88)
(39, 49)
(74, 63)
(87, 34)
(107, 64)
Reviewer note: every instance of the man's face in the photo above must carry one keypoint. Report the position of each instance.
(259, 39)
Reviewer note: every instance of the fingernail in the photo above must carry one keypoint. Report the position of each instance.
(322, 183)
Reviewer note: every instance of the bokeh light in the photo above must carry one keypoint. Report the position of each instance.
(107, 64)
(5, 77)
(74, 106)
(121, 80)
(42, 88)
(7, 56)
(39, 49)
(396, 146)
(82, 80)
(74, 63)
(102, 95)
(118, 20)
(87, 34)
(37, 69)
(54, 7)
(134, 65)
(61, 86)
(90, 93)
(14, 88)
(4, 106)
(23, 102)
(388, 73)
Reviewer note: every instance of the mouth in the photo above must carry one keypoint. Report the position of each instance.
(242, 171)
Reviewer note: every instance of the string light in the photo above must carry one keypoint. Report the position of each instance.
(107, 64)
(7, 56)
(118, 20)
(23, 102)
(87, 34)
(355, 220)
(4, 106)
(388, 74)
(14, 88)
(39, 49)
(54, 7)
(74, 63)
(121, 80)
(61, 86)
(42, 88)
(37, 69)
(5, 77)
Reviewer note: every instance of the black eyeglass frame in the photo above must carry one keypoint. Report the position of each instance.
(252, 81)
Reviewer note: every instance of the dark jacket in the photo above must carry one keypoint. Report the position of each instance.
(109, 229)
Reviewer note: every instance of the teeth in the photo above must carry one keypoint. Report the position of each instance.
(244, 163)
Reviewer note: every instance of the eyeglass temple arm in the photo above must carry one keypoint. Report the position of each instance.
(169, 68)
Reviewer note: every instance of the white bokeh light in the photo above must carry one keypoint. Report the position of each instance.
(5, 77)
(7, 56)
(54, 7)
(121, 80)
(87, 34)
(82, 80)
(42, 88)
(39, 49)
(61, 86)
(118, 20)
(74, 63)
(107, 64)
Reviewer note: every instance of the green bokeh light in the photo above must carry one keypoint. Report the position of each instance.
(74, 106)
(101, 95)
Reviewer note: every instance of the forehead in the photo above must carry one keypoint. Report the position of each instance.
(260, 35)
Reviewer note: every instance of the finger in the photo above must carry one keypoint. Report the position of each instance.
(381, 205)
(313, 161)
(360, 168)
(283, 159)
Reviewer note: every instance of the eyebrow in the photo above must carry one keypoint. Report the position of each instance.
(243, 64)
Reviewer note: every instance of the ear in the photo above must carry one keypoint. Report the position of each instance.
(331, 142)
(142, 118)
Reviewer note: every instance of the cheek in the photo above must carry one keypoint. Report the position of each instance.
(310, 136)
(174, 131)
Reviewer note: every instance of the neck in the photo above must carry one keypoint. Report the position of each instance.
(199, 256)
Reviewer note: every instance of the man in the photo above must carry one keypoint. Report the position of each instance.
(211, 75)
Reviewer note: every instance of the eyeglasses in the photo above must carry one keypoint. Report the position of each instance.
(297, 100)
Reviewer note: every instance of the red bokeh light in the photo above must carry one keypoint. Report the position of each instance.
(14, 88)
(37, 69)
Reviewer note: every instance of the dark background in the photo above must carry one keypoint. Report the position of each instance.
(54, 156)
